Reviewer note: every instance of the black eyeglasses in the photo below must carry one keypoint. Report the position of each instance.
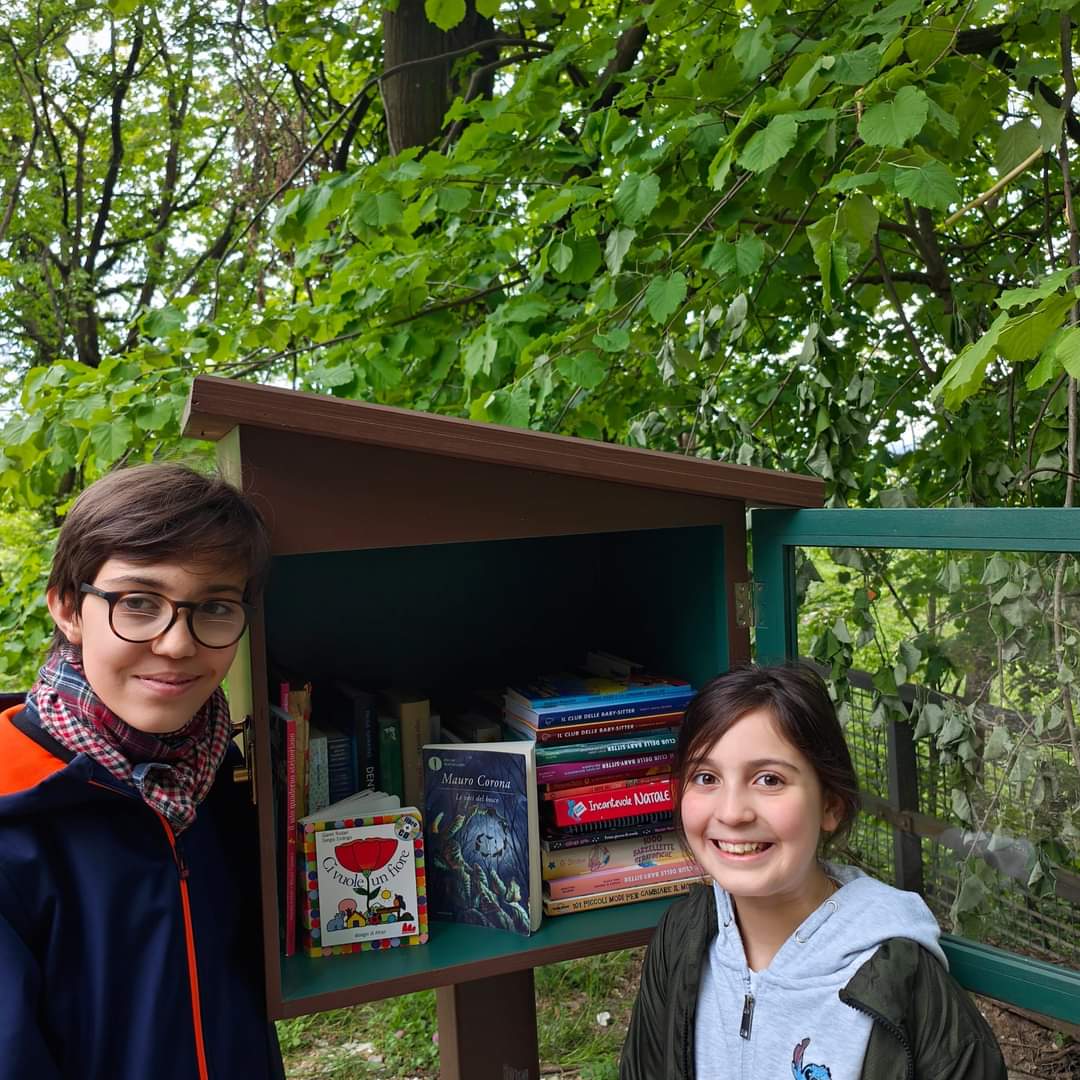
(142, 616)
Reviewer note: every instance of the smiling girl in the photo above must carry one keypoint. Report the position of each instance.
(789, 965)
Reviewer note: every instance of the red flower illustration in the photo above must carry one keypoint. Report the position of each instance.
(364, 856)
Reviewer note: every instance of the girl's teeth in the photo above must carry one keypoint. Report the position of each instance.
(740, 849)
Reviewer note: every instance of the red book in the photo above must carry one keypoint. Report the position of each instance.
(592, 787)
(623, 878)
(283, 737)
(648, 798)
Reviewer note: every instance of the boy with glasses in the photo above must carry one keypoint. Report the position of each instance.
(128, 947)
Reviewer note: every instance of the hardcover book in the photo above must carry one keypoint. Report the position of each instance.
(575, 838)
(364, 877)
(483, 843)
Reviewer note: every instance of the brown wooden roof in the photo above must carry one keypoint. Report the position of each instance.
(215, 406)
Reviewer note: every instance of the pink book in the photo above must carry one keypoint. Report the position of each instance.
(626, 878)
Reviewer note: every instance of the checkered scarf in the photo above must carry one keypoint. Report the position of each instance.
(172, 773)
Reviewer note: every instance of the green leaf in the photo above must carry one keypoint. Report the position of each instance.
(1024, 296)
(332, 376)
(858, 217)
(930, 184)
(721, 258)
(615, 340)
(857, 68)
(161, 322)
(479, 354)
(636, 196)
(964, 375)
(973, 893)
(578, 259)
(749, 255)
(154, 416)
(664, 295)
(585, 369)
(445, 14)
(961, 807)
(1015, 144)
(754, 49)
(488, 8)
(454, 198)
(998, 745)
(1063, 350)
(618, 244)
(766, 147)
(1025, 336)
(894, 123)
(110, 440)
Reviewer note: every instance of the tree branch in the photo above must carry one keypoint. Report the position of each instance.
(890, 290)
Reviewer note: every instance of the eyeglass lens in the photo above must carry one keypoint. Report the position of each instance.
(142, 616)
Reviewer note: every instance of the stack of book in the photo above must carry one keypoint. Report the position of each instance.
(604, 741)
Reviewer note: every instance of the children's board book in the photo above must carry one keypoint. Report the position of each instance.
(483, 838)
(363, 877)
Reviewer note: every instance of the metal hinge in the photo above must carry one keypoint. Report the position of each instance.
(745, 613)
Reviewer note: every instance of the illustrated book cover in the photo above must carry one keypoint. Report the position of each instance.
(363, 876)
(483, 843)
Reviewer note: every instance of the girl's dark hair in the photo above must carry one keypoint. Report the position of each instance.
(157, 513)
(799, 703)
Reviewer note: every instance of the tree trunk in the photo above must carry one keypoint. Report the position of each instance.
(416, 99)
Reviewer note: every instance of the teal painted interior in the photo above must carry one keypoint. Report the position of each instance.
(775, 534)
(450, 618)
(455, 617)
(451, 945)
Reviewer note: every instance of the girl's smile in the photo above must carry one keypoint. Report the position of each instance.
(753, 812)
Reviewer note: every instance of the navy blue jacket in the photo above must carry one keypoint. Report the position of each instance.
(126, 952)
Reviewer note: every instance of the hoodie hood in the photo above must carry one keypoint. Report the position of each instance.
(837, 938)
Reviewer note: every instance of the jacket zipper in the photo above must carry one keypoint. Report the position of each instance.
(893, 1029)
(189, 941)
(747, 1021)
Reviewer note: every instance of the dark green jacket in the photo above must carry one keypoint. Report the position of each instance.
(925, 1026)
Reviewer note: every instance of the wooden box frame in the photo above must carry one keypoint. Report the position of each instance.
(337, 476)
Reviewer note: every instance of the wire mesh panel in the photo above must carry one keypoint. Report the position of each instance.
(977, 654)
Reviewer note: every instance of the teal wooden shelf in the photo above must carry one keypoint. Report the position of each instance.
(457, 953)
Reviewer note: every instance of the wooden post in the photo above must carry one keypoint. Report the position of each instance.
(487, 1029)
(904, 798)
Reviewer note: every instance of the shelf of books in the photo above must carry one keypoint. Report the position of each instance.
(536, 764)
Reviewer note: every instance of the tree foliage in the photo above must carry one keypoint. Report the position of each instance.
(829, 237)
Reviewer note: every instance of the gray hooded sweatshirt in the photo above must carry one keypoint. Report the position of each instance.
(787, 1020)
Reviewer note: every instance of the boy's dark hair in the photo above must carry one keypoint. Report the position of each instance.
(155, 513)
(799, 703)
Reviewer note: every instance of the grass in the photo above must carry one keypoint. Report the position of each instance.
(397, 1038)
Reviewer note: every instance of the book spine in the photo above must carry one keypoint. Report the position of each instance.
(626, 877)
(561, 771)
(661, 739)
(341, 765)
(637, 828)
(585, 732)
(288, 870)
(586, 809)
(318, 774)
(631, 693)
(390, 756)
(578, 788)
(657, 849)
(544, 718)
(660, 889)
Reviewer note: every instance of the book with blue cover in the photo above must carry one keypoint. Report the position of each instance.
(483, 834)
